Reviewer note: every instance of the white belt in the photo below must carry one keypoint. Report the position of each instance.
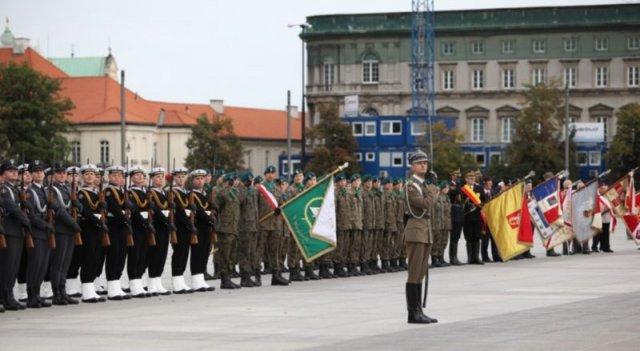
(98, 215)
(208, 213)
(188, 212)
(165, 213)
(144, 215)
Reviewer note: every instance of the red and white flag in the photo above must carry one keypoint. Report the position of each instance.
(267, 196)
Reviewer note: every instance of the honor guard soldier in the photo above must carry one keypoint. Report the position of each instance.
(390, 227)
(15, 224)
(343, 225)
(294, 255)
(204, 221)
(247, 230)
(472, 225)
(417, 235)
(259, 254)
(185, 230)
(65, 227)
(161, 222)
(441, 224)
(378, 227)
(93, 229)
(143, 231)
(42, 229)
(229, 199)
(368, 224)
(355, 196)
(25, 184)
(399, 251)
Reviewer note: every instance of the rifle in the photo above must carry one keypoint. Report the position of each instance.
(151, 237)
(173, 237)
(51, 239)
(213, 236)
(3, 239)
(127, 210)
(77, 237)
(28, 236)
(104, 238)
(192, 217)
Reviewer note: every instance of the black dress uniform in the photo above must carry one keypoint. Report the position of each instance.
(13, 221)
(204, 225)
(457, 221)
(92, 230)
(472, 226)
(137, 257)
(158, 254)
(38, 257)
(184, 230)
(65, 228)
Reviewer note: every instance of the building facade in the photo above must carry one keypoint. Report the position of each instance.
(484, 60)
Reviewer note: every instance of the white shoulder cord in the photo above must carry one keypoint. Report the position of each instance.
(406, 196)
(41, 209)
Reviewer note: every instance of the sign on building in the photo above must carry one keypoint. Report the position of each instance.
(351, 106)
(588, 132)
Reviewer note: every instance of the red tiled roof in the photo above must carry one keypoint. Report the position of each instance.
(97, 101)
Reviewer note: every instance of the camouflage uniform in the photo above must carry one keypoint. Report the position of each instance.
(441, 223)
(391, 228)
(399, 251)
(248, 238)
(378, 229)
(368, 227)
(271, 232)
(343, 226)
(229, 199)
(356, 229)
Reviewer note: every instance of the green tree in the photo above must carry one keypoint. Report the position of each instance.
(213, 144)
(32, 114)
(624, 153)
(336, 144)
(447, 152)
(538, 142)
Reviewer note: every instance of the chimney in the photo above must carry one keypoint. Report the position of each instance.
(21, 45)
(217, 105)
(293, 112)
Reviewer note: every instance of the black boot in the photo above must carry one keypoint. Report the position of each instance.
(435, 262)
(453, 255)
(364, 268)
(350, 270)
(245, 280)
(418, 287)
(58, 299)
(386, 267)
(277, 279)
(443, 262)
(295, 275)
(69, 299)
(403, 263)
(339, 270)
(258, 278)
(415, 315)
(565, 249)
(475, 252)
(9, 301)
(32, 300)
(43, 302)
(226, 283)
(309, 274)
(325, 273)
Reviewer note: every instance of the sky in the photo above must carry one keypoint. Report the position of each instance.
(197, 50)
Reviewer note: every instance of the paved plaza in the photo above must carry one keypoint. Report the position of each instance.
(567, 303)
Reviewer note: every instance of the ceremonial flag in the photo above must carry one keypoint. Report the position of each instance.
(311, 217)
(602, 206)
(616, 195)
(267, 196)
(632, 217)
(583, 202)
(547, 215)
(474, 197)
(507, 217)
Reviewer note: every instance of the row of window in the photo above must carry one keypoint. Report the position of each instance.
(538, 46)
(387, 159)
(369, 128)
(584, 158)
(539, 75)
(104, 152)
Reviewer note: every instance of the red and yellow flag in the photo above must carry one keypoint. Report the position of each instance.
(472, 195)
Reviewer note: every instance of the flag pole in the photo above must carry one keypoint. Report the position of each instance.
(339, 169)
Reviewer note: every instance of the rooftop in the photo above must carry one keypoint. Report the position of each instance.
(485, 20)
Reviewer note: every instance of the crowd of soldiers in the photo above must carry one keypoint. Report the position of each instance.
(63, 223)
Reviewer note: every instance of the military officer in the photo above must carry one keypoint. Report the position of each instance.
(204, 222)
(229, 200)
(158, 254)
(356, 224)
(368, 224)
(457, 217)
(399, 251)
(142, 228)
(472, 224)
(259, 256)
(441, 224)
(343, 225)
(185, 230)
(248, 230)
(294, 255)
(417, 235)
(390, 227)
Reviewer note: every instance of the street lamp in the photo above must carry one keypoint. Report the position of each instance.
(302, 26)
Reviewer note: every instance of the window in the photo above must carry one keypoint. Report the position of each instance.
(418, 127)
(448, 48)
(477, 79)
(391, 127)
(370, 70)
(480, 159)
(385, 159)
(447, 80)
(605, 122)
(602, 75)
(477, 47)
(370, 156)
(397, 159)
(75, 152)
(569, 77)
(570, 44)
(633, 43)
(358, 156)
(539, 46)
(594, 158)
(104, 152)
(508, 46)
(633, 76)
(538, 76)
(295, 165)
(601, 44)
(581, 158)
(356, 128)
(508, 129)
(329, 75)
(477, 130)
(495, 158)
(508, 78)
(370, 128)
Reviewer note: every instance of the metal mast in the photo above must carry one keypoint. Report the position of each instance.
(423, 93)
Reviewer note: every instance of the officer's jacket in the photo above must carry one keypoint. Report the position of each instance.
(229, 199)
(420, 199)
(203, 208)
(356, 209)
(160, 206)
(274, 222)
(38, 209)
(141, 205)
(183, 211)
(456, 198)
(471, 211)
(64, 221)
(90, 217)
(249, 210)
(379, 209)
(368, 209)
(116, 206)
(390, 211)
(13, 219)
(343, 209)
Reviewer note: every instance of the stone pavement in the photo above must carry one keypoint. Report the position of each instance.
(568, 303)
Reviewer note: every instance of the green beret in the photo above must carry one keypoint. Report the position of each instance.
(365, 178)
(270, 169)
(340, 176)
